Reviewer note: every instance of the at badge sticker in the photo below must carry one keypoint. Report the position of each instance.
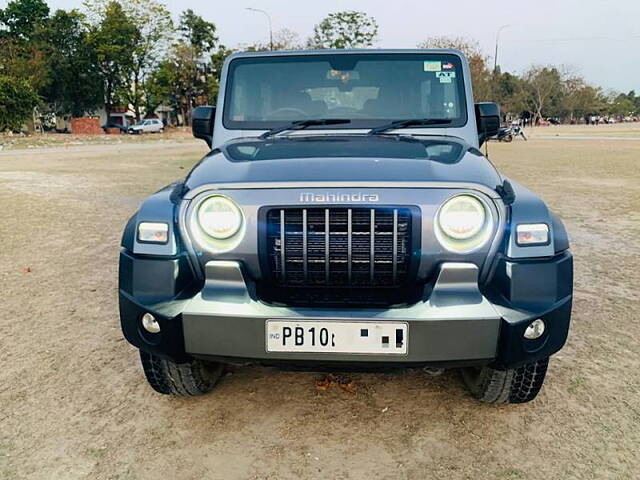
(431, 66)
(445, 77)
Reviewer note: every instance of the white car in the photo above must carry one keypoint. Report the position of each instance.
(151, 125)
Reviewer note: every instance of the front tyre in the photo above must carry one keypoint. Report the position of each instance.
(188, 379)
(515, 385)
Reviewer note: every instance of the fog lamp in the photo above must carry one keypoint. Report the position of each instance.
(534, 330)
(150, 323)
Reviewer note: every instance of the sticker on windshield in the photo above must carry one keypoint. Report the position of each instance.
(431, 66)
(445, 77)
(447, 66)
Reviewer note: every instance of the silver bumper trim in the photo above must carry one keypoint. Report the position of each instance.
(455, 323)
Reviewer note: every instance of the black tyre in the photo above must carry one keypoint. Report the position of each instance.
(516, 385)
(196, 377)
(508, 138)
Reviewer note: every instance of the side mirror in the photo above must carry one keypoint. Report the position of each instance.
(487, 120)
(202, 123)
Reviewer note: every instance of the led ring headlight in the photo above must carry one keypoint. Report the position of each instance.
(461, 217)
(219, 217)
(463, 223)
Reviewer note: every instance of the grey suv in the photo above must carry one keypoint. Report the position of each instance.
(346, 218)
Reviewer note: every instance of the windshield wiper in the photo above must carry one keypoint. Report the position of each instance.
(409, 122)
(300, 124)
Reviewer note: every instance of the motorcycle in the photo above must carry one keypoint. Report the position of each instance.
(507, 134)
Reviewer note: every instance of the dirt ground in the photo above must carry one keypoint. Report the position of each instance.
(74, 403)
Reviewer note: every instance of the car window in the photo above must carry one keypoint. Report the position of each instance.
(368, 89)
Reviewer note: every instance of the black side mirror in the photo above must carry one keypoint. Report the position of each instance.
(487, 120)
(202, 123)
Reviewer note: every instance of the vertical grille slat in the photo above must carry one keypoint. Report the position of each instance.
(283, 253)
(339, 246)
(395, 245)
(372, 245)
(305, 264)
(349, 245)
(326, 246)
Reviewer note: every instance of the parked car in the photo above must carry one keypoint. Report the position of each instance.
(346, 218)
(150, 125)
(122, 128)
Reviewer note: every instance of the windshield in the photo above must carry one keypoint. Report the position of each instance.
(368, 89)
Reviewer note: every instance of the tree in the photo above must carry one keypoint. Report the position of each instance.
(75, 86)
(348, 29)
(509, 91)
(17, 101)
(544, 91)
(190, 60)
(153, 22)
(581, 100)
(22, 18)
(283, 39)
(22, 54)
(623, 105)
(197, 32)
(114, 40)
(480, 74)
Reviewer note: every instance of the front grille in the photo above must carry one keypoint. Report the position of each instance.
(339, 247)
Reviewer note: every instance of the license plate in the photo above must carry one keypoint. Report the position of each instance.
(336, 337)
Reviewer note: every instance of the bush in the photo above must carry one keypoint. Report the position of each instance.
(17, 101)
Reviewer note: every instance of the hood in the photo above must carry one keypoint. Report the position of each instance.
(333, 159)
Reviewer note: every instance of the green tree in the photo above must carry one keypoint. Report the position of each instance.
(348, 29)
(582, 100)
(114, 40)
(509, 91)
(75, 86)
(480, 74)
(186, 77)
(153, 22)
(22, 18)
(623, 105)
(544, 87)
(17, 101)
(22, 55)
(197, 32)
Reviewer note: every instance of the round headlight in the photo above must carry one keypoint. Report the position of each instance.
(219, 217)
(463, 223)
(461, 217)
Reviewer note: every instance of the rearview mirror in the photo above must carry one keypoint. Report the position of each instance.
(487, 120)
(202, 123)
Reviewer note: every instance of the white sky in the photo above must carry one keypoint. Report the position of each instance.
(599, 39)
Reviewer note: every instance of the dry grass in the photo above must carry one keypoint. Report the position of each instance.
(21, 141)
(75, 404)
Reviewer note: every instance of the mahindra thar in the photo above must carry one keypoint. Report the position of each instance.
(346, 218)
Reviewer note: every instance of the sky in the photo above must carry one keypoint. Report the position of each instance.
(597, 39)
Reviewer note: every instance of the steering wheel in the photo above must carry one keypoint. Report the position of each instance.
(294, 114)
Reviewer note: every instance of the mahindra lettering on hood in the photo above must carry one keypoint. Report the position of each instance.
(309, 197)
(345, 217)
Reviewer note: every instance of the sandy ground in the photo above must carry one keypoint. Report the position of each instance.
(74, 403)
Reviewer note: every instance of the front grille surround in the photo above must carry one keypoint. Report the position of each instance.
(340, 246)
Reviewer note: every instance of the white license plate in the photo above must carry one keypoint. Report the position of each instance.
(336, 337)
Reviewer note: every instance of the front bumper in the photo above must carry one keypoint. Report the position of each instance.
(455, 323)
